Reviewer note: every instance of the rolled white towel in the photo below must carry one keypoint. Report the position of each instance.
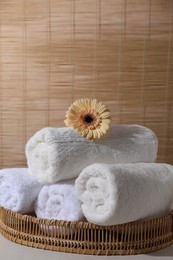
(121, 193)
(58, 201)
(55, 154)
(18, 190)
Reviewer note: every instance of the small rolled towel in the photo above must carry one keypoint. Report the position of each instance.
(55, 154)
(18, 190)
(121, 193)
(58, 201)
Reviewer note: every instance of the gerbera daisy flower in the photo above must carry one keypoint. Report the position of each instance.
(89, 117)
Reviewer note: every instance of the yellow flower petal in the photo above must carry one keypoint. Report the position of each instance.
(89, 135)
(102, 109)
(105, 126)
(105, 114)
(95, 135)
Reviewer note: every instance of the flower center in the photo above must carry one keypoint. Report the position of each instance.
(88, 119)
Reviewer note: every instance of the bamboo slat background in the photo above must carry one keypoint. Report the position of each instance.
(55, 51)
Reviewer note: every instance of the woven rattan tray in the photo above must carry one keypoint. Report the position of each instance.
(86, 238)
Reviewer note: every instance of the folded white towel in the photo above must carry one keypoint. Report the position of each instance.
(18, 190)
(55, 154)
(121, 193)
(58, 201)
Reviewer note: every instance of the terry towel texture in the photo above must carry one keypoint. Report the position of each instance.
(55, 154)
(120, 193)
(58, 201)
(18, 190)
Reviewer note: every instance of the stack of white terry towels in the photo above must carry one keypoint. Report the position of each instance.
(110, 181)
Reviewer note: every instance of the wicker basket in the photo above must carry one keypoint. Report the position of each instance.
(86, 238)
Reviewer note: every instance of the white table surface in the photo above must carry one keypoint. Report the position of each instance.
(12, 251)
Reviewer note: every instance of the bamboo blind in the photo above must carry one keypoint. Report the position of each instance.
(55, 51)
